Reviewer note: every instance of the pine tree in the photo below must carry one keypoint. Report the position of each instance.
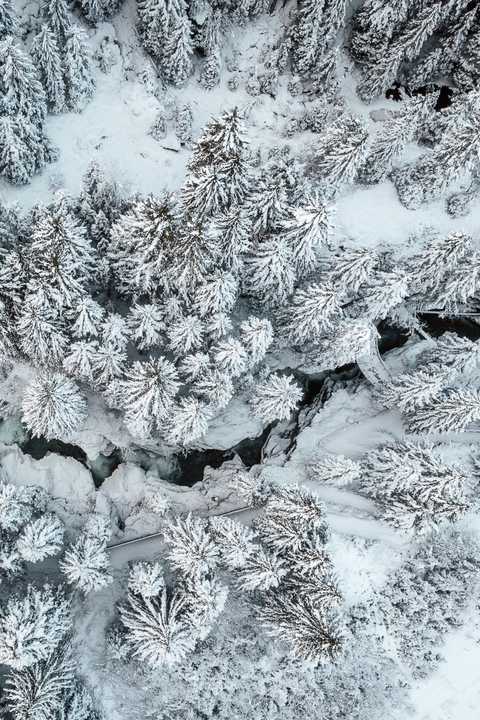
(203, 195)
(59, 255)
(158, 630)
(96, 11)
(305, 626)
(453, 411)
(276, 398)
(211, 71)
(188, 421)
(115, 332)
(99, 204)
(79, 81)
(56, 16)
(146, 325)
(312, 312)
(231, 232)
(457, 353)
(146, 579)
(230, 357)
(46, 55)
(41, 538)
(178, 50)
(316, 24)
(193, 257)
(386, 292)
(257, 336)
(8, 20)
(39, 331)
(88, 316)
(154, 23)
(262, 570)
(307, 231)
(352, 268)
(80, 360)
(15, 507)
(16, 162)
(342, 150)
(215, 386)
(412, 391)
(108, 365)
(193, 366)
(218, 326)
(270, 271)
(141, 243)
(86, 563)
(217, 294)
(236, 542)
(38, 692)
(192, 551)
(185, 335)
(53, 407)
(32, 626)
(183, 124)
(148, 393)
(335, 470)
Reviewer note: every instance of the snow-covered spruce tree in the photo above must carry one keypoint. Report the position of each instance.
(276, 398)
(158, 630)
(46, 55)
(335, 470)
(270, 271)
(53, 407)
(177, 52)
(141, 242)
(88, 316)
(217, 294)
(32, 625)
(453, 411)
(194, 255)
(232, 233)
(16, 507)
(23, 103)
(8, 20)
(77, 68)
(146, 579)
(41, 538)
(154, 19)
(391, 139)
(39, 332)
(188, 421)
(214, 386)
(210, 72)
(80, 360)
(413, 390)
(86, 564)
(57, 17)
(39, 691)
(146, 325)
(115, 332)
(99, 204)
(236, 541)
(96, 11)
(312, 634)
(307, 230)
(148, 393)
(59, 255)
(263, 571)
(453, 351)
(191, 549)
(230, 357)
(342, 150)
(311, 313)
(185, 335)
(315, 26)
(256, 335)
(108, 365)
(385, 293)
(183, 124)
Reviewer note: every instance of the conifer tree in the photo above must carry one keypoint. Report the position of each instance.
(270, 271)
(146, 579)
(46, 55)
(154, 23)
(217, 294)
(178, 50)
(8, 20)
(342, 150)
(57, 17)
(39, 691)
(148, 393)
(453, 411)
(210, 72)
(79, 81)
(185, 335)
(411, 391)
(215, 386)
(276, 398)
(80, 360)
(262, 570)
(88, 316)
(183, 124)
(257, 336)
(188, 421)
(307, 231)
(230, 357)
(15, 507)
(31, 626)
(40, 335)
(41, 538)
(86, 563)
(53, 407)
(158, 630)
(192, 550)
(232, 233)
(312, 312)
(146, 325)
